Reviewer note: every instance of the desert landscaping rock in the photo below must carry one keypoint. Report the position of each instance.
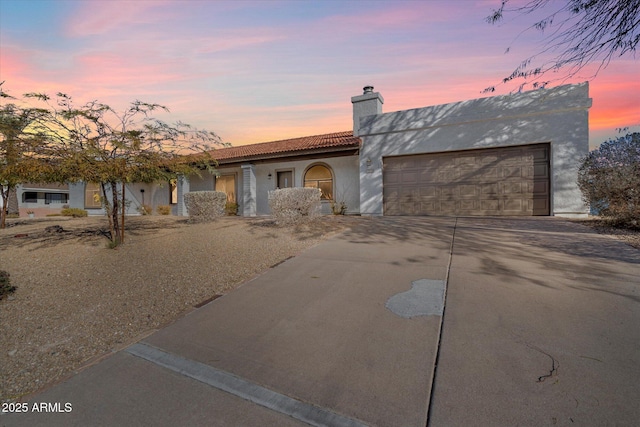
(77, 300)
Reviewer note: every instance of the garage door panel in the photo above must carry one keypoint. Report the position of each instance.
(540, 189)
(469, 190)
(512, 181)
(514, 206)
(541, 206)
(469, 205)
(391, 178)
(410, 178)
(541, 170)
(509, 188)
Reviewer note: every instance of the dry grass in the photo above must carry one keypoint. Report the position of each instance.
(77, 300)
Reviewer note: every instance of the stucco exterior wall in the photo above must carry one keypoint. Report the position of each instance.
(558, 116)
(345, 177)
(154, 195)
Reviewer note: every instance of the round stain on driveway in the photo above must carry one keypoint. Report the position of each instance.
(425, 298)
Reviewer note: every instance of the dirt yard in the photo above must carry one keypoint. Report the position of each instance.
(77, 300)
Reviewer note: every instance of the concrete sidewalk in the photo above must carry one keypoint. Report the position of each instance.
(540, 328)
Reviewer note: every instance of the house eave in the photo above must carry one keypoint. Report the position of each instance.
(290, 155)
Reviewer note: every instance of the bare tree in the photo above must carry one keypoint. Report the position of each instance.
(94, 143)
(578, 33)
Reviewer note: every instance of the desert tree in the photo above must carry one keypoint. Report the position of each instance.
(95, 143)
(577, 33)
(22, 141)
(609, 178)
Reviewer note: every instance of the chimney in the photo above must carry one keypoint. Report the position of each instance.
(367, 104)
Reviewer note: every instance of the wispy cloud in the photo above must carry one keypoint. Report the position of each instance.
(99, 17)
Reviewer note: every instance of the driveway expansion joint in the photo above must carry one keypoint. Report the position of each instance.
(244, 389)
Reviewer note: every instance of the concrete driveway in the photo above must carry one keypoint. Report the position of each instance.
(540, 327)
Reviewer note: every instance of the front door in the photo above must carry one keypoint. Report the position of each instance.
(227, 184)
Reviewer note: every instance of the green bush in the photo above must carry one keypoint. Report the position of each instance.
(74, 212)
(5, 284)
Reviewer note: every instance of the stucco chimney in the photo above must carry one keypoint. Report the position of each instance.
(367, 104)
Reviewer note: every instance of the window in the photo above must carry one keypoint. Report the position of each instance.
(55, 198)
(92, 199)
(285, 179)
(319, 176)
(227, 184)
(30, 197)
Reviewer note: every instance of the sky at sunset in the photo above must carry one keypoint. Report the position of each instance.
(255, 71)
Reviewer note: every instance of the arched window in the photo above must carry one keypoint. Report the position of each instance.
(319, 176)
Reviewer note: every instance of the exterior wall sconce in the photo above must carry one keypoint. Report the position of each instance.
(369, 165)
(269, 176)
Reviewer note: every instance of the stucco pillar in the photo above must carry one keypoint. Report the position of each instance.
(249, 190)
(183, 188)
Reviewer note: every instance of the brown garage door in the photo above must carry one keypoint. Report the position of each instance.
(496, 181)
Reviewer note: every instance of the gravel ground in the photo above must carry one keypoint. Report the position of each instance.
(77, 300)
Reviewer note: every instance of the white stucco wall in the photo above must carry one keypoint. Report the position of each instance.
(558, 116)
(154, 195)
(345, 174)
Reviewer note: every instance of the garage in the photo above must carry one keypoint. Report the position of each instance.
(510, 181)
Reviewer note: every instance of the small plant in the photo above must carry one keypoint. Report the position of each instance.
(145, 209)
(74, 212)
(231, 208)
(5, 284)
(338, 208)
(163, 209)
(113, 244)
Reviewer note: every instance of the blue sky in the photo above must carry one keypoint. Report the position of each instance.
(256, 71)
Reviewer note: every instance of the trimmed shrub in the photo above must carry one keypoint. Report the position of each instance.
(609, 178)
(292, 205)
(205, 206)
(74, 212)
(163, 209)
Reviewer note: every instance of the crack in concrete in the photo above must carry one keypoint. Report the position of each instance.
(554, 364)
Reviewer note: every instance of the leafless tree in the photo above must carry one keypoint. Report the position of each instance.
(578, 33)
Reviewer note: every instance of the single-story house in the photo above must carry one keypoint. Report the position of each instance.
(504, 155)
(41, 198)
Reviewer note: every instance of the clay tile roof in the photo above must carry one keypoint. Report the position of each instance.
(330, 142)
